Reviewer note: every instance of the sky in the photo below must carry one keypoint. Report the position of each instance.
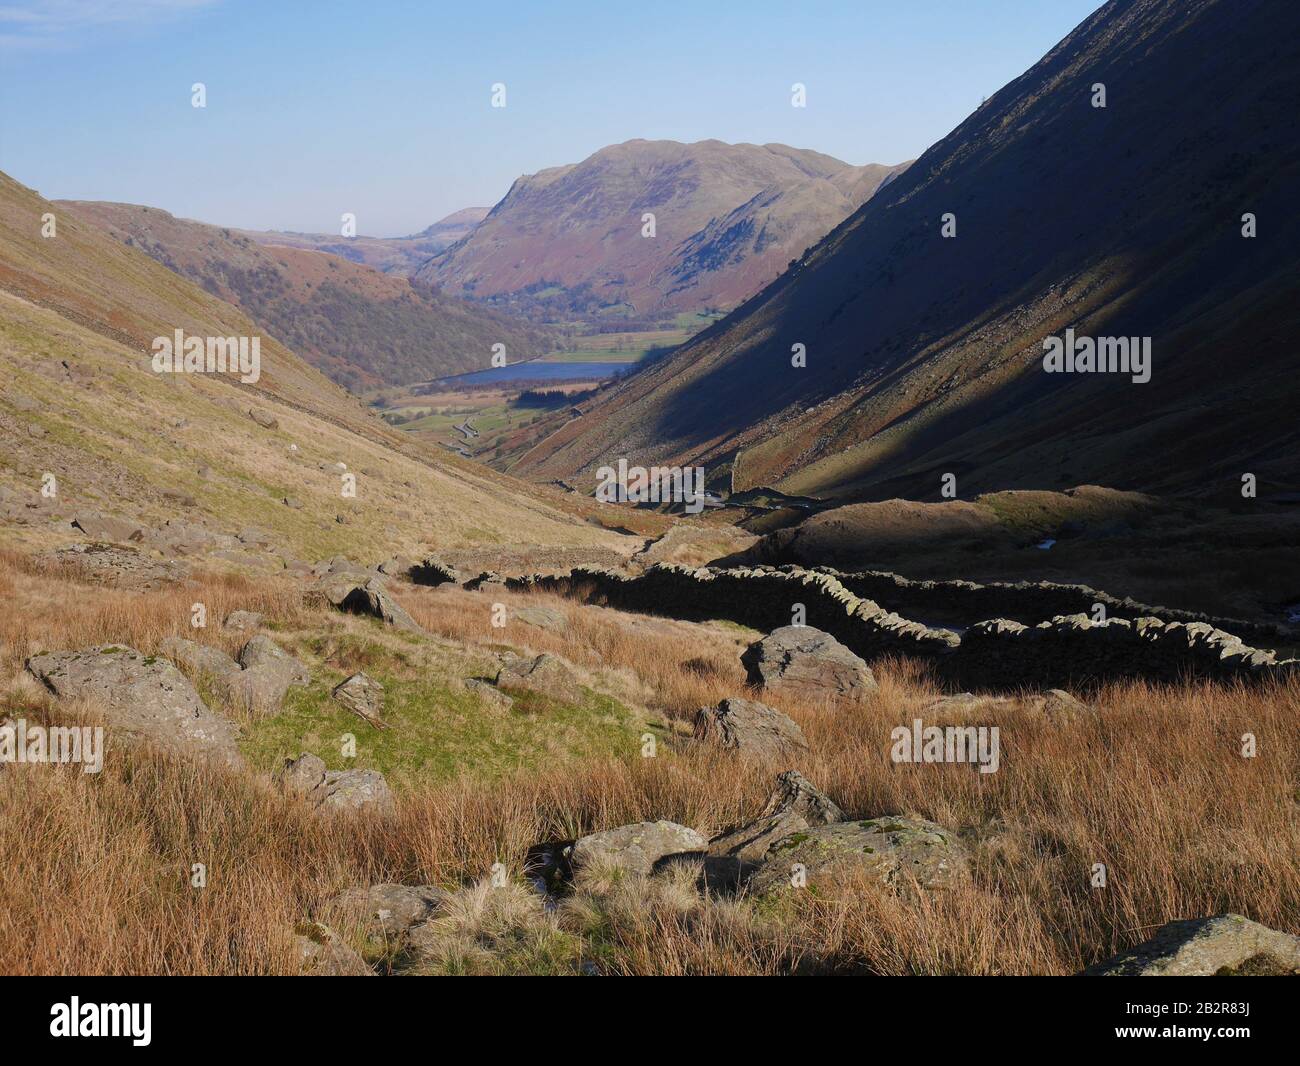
(384, 109)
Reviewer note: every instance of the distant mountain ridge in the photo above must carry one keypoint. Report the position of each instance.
(727, 219)
(362, 328)
(391, 255)
(924, 353)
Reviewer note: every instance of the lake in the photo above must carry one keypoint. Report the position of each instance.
(539, 371)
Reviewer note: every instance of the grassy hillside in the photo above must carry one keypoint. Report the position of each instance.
(78, 312)
(362, 328)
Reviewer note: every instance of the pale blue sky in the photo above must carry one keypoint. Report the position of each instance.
(383, 108)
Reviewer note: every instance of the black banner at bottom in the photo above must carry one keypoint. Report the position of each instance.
(150, 1014)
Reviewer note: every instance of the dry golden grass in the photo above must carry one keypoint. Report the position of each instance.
(94, 869)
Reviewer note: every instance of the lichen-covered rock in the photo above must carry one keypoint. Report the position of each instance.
(549, 618)
(322, 953)
(893, 850)
(201, 659)
(363, 696)
(243, 621)
(794, 804)
(104, 527)
(547, 674)
(1223, 945)
(142, 697)
(750, 728)
(262, 651)
(387, 911)
(335, 789)
(636, 848)
(807, 663)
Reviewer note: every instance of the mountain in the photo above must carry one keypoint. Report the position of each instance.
(925, 352)
(728, 218)
(84, 405)
(362, 328)
(391, 255)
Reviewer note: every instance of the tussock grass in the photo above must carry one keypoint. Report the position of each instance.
(94, 869)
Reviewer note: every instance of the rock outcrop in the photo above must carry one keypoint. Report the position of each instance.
(335, 789)
(546, 674)
(1223, 945)
(636, 848)
(364, 697)
(808, 664)
(794, 806)
(368, 597)
(142, 697)
(387, 911)
(749, 728)
(893, 850)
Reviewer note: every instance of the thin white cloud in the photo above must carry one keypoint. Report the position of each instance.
(45, 23)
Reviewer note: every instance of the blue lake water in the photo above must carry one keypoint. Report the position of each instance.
(538, 371)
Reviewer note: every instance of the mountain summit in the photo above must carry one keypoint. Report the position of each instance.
(727, 218)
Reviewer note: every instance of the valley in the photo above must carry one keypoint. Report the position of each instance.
(713, 558)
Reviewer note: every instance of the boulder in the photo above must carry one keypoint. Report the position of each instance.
(322, 953)
(364, 697)
(795, 804)
(388, 911)
(749, 728)
(243, 621)
(261, 652)
(367, 597)
(144, 698)
(806, 663)
(892, 851)
(107, 527)
(335, 789)
(546, 674)
(201, 659)
(636, 848)
(549, 618)
(263, 419)
(1225, 945)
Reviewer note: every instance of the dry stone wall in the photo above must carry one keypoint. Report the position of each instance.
(998, 653)
(963, 603)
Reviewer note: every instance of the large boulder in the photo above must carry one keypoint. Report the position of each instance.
(794, 805)
(143, 697)
(893, 851)
(364, 697)
(267, 675)
(202, 660)
(1223, 945)
(636, 848)
(368, 597)
(549, 618)
(547, 674)
(104, 527)
(749, 728)
(335, 789)
(806, 663)
(388, 911)
(261, 652)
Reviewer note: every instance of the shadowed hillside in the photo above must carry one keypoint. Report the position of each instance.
(924, 353)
